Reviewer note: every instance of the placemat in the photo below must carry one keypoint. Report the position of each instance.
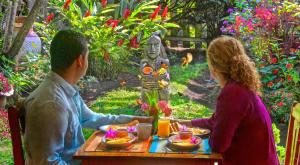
(137, 146)
(160, 145)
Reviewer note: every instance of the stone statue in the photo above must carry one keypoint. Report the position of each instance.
(154, 69)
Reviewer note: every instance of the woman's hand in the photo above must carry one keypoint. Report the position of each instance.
(187, 123)
(143, 119)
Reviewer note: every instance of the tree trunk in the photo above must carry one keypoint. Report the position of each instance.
(17, 44)
(12, 10)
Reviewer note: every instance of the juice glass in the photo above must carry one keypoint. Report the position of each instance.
(163, 127)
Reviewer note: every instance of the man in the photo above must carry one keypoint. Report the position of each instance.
(55, 112)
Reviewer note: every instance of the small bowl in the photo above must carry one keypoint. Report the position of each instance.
(185, 134)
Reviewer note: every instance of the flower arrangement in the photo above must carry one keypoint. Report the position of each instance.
(154, 107)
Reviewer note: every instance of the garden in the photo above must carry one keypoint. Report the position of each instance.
(118, 32)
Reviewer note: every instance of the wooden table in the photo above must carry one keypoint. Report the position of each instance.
(121, 158)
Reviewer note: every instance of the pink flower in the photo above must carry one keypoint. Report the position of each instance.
(164, 13)
(131, 129)
(163, 104)
(167, 111)
(126, 13)
(155, 13)
(111, 133)
(103, 3)
(145, 106)
(194, 140)
(5, 88)
(183, 128)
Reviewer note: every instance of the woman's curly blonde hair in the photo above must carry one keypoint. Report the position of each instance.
(227, 55)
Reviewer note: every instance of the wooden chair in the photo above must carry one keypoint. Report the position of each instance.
(293, 138)
(17, 124)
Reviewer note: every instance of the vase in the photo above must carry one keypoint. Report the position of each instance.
(155, 124)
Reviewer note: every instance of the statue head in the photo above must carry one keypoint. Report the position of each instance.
(153, 47)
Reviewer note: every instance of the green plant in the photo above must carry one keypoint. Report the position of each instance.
(280, 149)
(115, 32)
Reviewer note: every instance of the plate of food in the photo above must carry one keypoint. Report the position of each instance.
(177, 142)
(130, 127)
(175, 128)
(118, 139)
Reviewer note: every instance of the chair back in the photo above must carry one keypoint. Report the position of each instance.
(293, 138)
(15, 118)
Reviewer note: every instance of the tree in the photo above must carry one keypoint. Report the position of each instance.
(17, 43)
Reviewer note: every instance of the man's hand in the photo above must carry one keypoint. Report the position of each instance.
(143, 119)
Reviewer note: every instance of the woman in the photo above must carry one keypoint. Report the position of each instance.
(241, 126)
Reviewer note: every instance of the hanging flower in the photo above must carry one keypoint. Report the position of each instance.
(67, 4)
(49, 18)
(120, 42)
(134, 43)
(155, 13)
(112, 23)
(109, 21)
(127, 13)
(5, 88)
(87, 13)
(164, 13)
(275, 71)
(270, 84)
(103, 3)
(289, 66)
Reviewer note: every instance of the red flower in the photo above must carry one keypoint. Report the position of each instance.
(270, 84)
(289, 78)
(275, 71)
(126, 13)
(87, 13)
(120, 42)
(103, 3)
(67, 4)
(155, 13)
(50, 17)
(273, 60)
(112, 23)
(280, 104)
(133, 42)
(289, 66)
(164, 13)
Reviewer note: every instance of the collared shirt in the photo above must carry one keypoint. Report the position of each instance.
(55, 115)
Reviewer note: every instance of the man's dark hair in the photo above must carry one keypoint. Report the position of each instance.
(65, 47)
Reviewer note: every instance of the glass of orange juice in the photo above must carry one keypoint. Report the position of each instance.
(163, 127)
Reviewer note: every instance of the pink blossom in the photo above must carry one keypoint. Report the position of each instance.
(145, 106)
(194, 140)
(111, 133)
(163, 104)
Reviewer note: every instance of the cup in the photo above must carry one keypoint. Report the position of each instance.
(144, 130)
(185, 134)
(163, 127)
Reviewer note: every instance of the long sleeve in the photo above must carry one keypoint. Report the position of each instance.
(47, 137)
(90, 119)
(204, 122)
(231, 109)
